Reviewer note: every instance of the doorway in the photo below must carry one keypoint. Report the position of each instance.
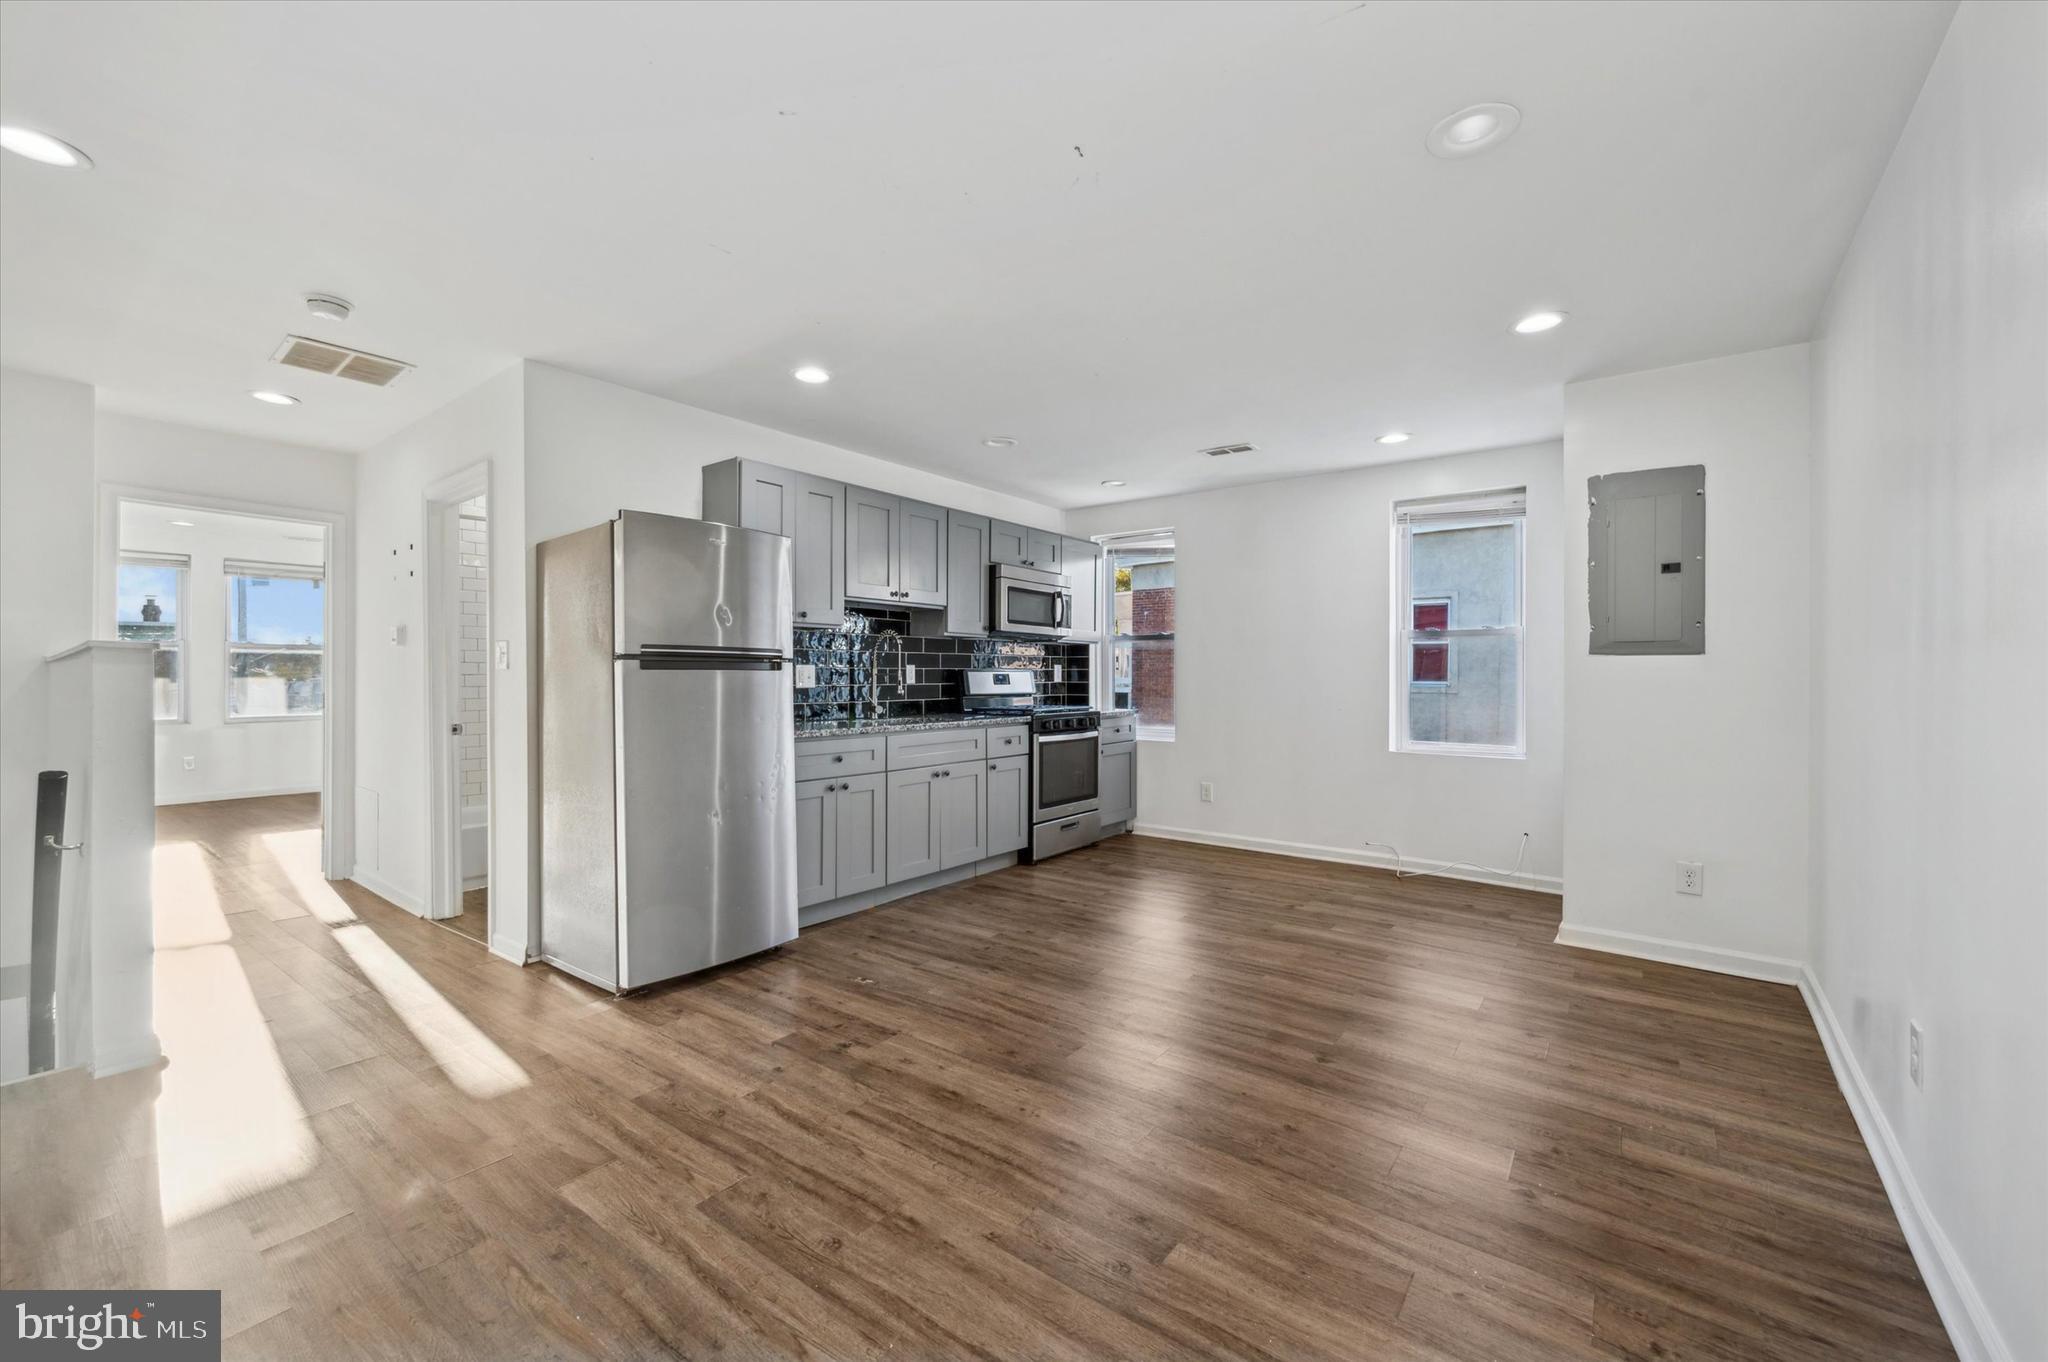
(458, 541)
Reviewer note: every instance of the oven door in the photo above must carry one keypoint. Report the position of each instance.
(1065, 769)
(1030, 609)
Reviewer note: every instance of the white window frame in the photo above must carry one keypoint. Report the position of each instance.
(236, 567)
(183, 564)
(1471, 511)
(1105, 666)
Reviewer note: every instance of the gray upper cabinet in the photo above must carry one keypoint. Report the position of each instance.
(872, 526)
(1022, 546)
(1083, 569)
(809, 511)
(1009, 804)
(921, 554)
(967, 563)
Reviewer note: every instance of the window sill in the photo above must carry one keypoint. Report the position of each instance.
(1460, 750)
(274, 718)
(1155, 735)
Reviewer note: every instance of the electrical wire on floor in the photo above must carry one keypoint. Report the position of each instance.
(1401, 871)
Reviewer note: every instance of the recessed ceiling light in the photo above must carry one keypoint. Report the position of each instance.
(275, 399)
(810, 373)
(1393, 437)
(182, 524)
(1112, 482)
(1537, 322)
(327, 307)
(1473, 130)
(1000, 442)
(43, 148)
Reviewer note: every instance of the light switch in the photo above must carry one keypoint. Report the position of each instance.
(806, 675)
(398, 634)
(503, 655)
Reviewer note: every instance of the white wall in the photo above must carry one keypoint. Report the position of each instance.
(595, 448)
(133, 451)
(230, 760)
(46, 509)
(1282, 679)
(1696, 758)
(392, 777)
(1931, 698)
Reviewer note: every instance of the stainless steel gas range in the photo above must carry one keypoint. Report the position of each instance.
(1066, 750)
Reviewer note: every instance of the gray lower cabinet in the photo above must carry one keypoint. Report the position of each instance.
(936, 819)
(967, 563)
(1009, 804)
(841, 838)
(1117, 782)
(809, 511)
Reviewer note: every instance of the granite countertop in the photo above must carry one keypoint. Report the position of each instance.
(834, 728)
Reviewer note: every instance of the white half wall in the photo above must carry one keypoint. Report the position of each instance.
(1699, 758)
(1930, 712)
(1281, 691)
(46, 513)
(392, 801)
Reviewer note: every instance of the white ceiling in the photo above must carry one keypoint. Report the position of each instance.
(1117, 232)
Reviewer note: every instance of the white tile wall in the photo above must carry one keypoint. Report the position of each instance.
(473, 704)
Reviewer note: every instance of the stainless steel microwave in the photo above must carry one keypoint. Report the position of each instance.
(1029, 602)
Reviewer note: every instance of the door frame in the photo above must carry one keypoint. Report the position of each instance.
(337, 738)
(440, 505)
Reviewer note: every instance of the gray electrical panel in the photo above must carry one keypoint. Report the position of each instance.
(1646, 561)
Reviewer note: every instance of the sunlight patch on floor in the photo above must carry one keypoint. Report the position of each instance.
(297, 854)
(471, 1059)
(228, 1123)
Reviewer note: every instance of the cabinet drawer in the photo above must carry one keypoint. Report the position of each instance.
(1009, 742)
(936, 747)
(1119, 728)
(853, 755)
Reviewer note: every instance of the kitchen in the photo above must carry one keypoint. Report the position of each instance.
(815, 700)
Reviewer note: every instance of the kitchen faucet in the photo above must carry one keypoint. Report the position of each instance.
(875, 672)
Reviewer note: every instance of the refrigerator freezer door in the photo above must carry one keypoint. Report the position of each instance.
(699, 585)
(707, 815)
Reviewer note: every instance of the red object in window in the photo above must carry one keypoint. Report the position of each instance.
(1432, 660)
(1432, 615)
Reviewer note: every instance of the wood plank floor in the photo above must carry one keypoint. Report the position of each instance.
(1149, 1100)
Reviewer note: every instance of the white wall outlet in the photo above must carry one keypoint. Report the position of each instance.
(806, 675)
(1916, 1053)
(191, 763)
(503, 656)
(1692, 877)
(1208, 792)
(909, 674)
(1059, 673)
(398, 634)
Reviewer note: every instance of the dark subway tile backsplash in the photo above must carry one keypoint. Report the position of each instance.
(860, 669)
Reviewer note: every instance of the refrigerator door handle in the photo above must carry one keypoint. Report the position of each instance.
(714, 662)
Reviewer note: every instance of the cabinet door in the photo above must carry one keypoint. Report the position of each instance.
(860, 833)
(815, 856)
(966, 574)
(871, 534)
(921, 553)
(960, 815)
(1118, 784)
(1042, 550)
(1006, 543)
(817, 532)
(913, 829)
(1009, 804)
(1084, 577)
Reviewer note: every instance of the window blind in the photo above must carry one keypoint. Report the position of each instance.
(1513, 501)
(242, 567)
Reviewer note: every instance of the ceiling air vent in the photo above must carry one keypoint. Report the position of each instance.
(1218, 451)
(340, 361)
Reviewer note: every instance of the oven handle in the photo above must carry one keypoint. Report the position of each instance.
(1069, 737)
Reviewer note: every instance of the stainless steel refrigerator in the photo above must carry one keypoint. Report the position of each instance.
(667, 761)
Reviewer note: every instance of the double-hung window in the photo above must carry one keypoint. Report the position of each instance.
(1459, 604)
(150, 608)
(276, 642)
(1138, 590)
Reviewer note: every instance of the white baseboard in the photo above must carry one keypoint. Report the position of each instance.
(144, 1053)
(1771, 968)
(476, 882)
(515, 953)
(241, 794)
(1970, 1326)
(1542, 884)
(384, 890)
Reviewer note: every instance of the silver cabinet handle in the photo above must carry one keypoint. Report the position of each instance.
(840, 757)
(50, 841)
